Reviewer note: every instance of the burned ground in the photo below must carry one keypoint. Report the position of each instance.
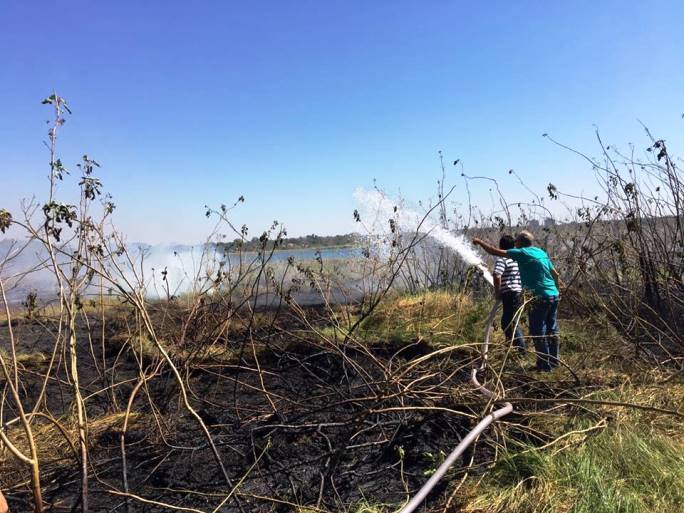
(302, 416)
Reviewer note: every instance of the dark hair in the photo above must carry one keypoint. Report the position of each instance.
(506, 242)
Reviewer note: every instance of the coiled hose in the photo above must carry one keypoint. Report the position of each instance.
(475, 432)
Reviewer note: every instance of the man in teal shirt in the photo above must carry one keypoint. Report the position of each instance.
(538, 275)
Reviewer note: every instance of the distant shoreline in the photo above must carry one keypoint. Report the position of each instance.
(326, 251)
(307, 242)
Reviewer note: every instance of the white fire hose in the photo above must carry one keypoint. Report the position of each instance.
(475, 432)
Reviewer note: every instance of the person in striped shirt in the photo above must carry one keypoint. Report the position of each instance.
(508, 289)
(539, 275)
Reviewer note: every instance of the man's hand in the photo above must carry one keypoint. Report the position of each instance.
(492, 250)
(4, 508)
(562, 288)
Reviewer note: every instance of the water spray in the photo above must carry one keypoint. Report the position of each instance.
(378, 209)
(381, 209)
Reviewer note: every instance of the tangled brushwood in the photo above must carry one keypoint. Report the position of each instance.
(267, 385)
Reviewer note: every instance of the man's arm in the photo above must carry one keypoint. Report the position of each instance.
(499, 269)
(492, 250)
(497, 289)
(556, 278)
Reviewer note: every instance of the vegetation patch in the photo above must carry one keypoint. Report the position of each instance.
(619, 470)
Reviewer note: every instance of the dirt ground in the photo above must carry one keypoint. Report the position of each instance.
(297, 423)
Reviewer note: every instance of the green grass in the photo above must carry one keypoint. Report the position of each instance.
(619, 470)
(616, 459)
(632, 461)
(366, 507)
(360, 507)
(438, 318)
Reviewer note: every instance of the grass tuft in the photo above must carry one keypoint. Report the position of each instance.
(619, 470)
(437, 317)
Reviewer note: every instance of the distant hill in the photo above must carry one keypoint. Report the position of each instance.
(312, 241)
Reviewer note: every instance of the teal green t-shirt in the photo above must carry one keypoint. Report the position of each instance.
(535, 270)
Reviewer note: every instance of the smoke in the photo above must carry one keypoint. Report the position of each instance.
(376, 209)
(178, 267)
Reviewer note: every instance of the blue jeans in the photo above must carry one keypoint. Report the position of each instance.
(544, 331)
(511, 304)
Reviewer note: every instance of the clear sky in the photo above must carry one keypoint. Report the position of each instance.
(294, 104)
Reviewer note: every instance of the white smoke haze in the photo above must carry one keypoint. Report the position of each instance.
(376, 209)
(160, 270)
(180, 269)
(176, 267)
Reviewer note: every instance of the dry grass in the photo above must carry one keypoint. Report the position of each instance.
(439, 318)
(600, 458)
(57, 439)
(616, 459)
(595, 457)
(620, 469)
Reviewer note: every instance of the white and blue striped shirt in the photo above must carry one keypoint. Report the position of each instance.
(507, 269)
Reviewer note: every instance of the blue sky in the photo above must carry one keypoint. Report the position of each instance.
(294, 104)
